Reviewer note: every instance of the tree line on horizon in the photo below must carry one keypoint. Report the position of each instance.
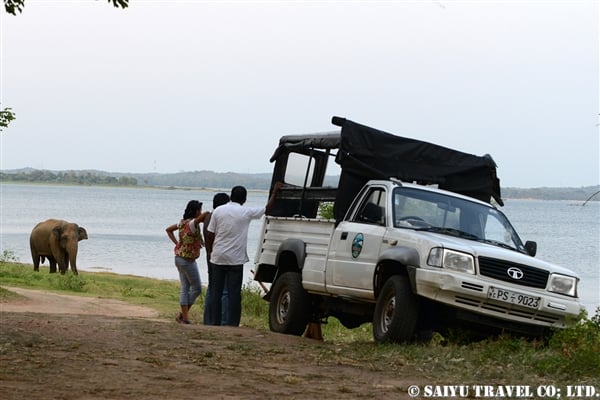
(67, 177)
(211, 179)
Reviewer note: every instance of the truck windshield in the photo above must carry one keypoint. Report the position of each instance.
(437, 212)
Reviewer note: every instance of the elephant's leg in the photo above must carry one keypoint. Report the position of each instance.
(59, 259)
(52, 264)
(36, 260)
(64, 267)
(35, 255)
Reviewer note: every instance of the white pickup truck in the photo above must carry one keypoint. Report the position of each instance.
(404, 256)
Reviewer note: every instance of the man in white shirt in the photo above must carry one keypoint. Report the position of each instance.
(227, 235)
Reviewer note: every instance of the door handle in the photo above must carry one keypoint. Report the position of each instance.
(392, 242)
(344, 236)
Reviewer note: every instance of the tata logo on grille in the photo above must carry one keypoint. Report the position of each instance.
(514, 273)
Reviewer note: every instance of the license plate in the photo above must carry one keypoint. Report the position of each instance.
(513, 297)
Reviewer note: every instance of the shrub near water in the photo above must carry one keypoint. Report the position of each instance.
(8, 256)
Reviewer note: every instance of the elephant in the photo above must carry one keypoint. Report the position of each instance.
(58, 241)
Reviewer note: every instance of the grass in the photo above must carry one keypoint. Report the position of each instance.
(569, 356)
(161, 295)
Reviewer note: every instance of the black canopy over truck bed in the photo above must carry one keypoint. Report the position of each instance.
(365, 153)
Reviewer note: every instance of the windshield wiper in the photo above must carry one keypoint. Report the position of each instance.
(449, 231)
(498, 243)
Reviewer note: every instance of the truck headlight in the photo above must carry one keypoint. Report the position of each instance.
(563, 284)
(450, 259)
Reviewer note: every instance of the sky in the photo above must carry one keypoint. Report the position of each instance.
(170, 86)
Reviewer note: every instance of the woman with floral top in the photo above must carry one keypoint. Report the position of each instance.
(187, 250)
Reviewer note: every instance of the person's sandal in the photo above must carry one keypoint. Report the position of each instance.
(180, 319)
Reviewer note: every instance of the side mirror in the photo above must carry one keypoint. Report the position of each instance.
(531, 248)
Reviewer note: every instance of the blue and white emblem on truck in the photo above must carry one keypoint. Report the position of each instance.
(357, 245)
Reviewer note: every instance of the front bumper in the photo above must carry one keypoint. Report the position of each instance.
(470, 292)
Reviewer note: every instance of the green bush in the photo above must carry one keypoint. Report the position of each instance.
(576, 348)
(69, 282)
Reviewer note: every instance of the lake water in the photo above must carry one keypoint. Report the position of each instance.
(126, 229)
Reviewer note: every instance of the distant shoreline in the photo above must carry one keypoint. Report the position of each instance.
(141, 187)
(550, 194)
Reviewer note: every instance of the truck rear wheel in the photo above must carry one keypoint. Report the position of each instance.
(396, 312)
(289, 308)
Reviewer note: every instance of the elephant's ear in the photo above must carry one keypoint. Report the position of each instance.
(57, 231)
(82, 233)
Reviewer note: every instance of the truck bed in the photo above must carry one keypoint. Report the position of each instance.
(281, 232)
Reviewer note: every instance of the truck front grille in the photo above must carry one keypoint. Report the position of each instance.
(499, 269)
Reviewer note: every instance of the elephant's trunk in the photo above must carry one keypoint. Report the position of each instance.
(71, 258)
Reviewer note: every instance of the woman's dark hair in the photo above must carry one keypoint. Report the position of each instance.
(192, 207)
(219, 199)
(238, 194)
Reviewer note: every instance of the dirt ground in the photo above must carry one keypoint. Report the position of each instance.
(69, 347)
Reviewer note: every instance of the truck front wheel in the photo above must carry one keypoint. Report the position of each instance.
(289, 308)
(396, 312)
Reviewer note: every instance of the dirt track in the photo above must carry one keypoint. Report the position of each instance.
(106, 349)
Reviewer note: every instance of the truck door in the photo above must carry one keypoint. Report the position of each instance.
(355, 247)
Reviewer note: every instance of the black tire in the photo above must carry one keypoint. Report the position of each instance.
(289, 308)
(396, 312)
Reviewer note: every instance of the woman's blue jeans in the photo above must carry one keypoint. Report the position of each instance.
(189, 276)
